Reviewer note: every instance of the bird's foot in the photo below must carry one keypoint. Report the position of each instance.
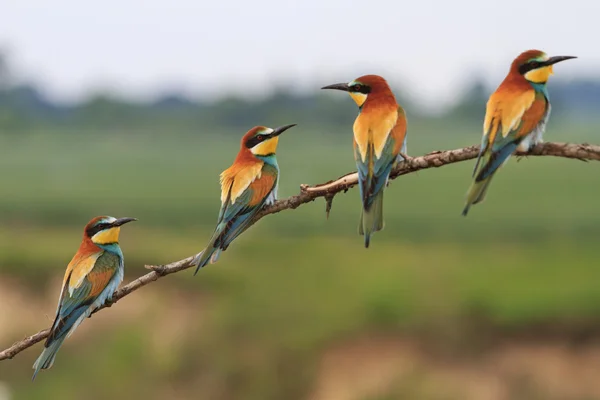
(407, 159)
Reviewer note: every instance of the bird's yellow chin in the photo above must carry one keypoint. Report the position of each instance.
(539, 75)
(266, 148)
(359, 98)
(107, 236)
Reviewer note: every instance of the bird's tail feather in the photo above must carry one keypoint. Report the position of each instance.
(209, 255)
(489, 166)
(477, 193)
(371, 219)
(46, 359)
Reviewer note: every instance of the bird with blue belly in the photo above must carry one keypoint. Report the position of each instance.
(515, 118)
(379, 144)
(249, 184)
(92, 276)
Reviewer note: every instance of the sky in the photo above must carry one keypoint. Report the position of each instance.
(205, 49)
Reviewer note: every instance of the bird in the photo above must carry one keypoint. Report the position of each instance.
(91, 278)
(246, 186)
(515, 118)
(379, 144)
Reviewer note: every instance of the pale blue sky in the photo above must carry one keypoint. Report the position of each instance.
(140, 47)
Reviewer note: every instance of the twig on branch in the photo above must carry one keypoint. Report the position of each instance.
(328, 190)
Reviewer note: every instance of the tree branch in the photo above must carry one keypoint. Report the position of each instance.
(328, 190)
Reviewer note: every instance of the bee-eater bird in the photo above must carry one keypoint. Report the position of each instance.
(379, 140)
(249, 184)
(515, 118)
(92, 277)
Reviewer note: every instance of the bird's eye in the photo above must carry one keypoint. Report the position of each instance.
(259, 138)
(534, 64)
(356, 88)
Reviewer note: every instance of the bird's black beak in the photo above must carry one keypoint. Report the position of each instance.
(281, 129)
(123, 221)
(557, 59)
(338, 86)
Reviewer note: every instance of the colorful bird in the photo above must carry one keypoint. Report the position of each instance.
(92, 276)
(249, 184)
(379, 142)
(515, 118)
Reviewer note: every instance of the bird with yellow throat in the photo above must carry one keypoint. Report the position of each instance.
(92, 276)
(515, 118)
(379, 142)
(249, 184)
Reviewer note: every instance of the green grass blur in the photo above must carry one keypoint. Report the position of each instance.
(295, 283)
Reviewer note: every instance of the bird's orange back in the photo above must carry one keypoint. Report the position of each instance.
(245, 169)
(510, 100)
(83, 261)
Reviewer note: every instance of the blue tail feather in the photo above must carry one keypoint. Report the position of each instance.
(497, 158)
(483, 177)
(371, 218)
(46, 359)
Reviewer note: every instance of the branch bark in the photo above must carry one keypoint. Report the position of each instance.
(328, 190)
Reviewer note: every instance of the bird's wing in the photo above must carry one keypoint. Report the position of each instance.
(374, 165)
(80, 291)
(234, 181)
(506, 124)
(399, 133)
(236, 212)
(81, 265)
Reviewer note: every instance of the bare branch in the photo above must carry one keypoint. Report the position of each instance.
(328, 190)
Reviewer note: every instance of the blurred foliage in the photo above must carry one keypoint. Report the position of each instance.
(23, 106)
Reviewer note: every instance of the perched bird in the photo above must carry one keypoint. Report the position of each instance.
(92, 276)
(249, 184)
(379, 142)
(515, 118)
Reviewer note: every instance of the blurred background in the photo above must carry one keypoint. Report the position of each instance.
(131, 108)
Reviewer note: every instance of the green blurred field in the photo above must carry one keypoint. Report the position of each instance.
(295, 282)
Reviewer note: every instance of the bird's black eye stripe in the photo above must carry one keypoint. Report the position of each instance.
(359, 88)
(529, 66)
(97, 228)
(253, 141)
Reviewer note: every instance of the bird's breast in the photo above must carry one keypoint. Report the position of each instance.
(373, 128)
